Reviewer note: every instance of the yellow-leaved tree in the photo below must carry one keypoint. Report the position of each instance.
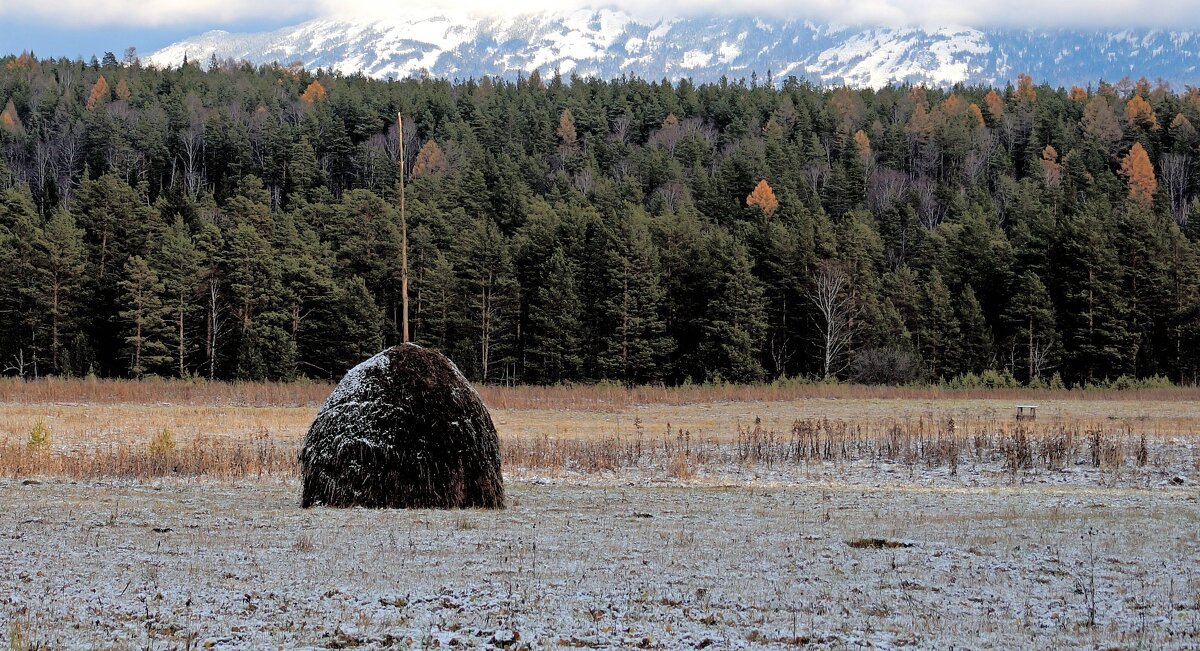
(431, 161)
(313, 94)
(862, 142)
(995, 104)
(1139, 173)
(1051, 170)
(1139, 112)
(99, 94)
(566, 129)
(9, 120)
(764, 198)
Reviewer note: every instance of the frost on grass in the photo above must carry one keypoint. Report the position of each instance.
(222, 566)
(403, 429)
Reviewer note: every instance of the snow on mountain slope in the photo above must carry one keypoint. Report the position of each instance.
(610, 43)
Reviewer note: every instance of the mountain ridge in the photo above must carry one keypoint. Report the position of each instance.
(610, 43)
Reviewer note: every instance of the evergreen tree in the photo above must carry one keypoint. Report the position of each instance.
(634, 343)
(490, 292)
(143, 316)
(939, 335)
(1093, 309)
(736, 325)
(1030, 315)
(177, 263)
(60, 292)
(552, 354)
(975, 353)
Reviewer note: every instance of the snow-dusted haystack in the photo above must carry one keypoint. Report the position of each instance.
(403, 429)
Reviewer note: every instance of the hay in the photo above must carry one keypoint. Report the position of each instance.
(403, 429)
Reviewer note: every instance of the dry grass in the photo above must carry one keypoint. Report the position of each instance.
(581, 397)
(1017, 450)
(97, 428)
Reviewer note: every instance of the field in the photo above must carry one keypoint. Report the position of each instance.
(700, 517)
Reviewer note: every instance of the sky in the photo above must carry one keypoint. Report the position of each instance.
(87, 27)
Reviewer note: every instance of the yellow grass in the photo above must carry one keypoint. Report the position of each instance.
(249, 429)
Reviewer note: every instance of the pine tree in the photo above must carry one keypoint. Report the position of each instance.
(60, 290)
(490, 291)
(736, 323)
(1031, 320)
(939, 335)
(303, 173)
(975, 353)
(634, 342)
(552, 354)
(1092, 309)
(177, 263)
(20, 314)
(143, 316)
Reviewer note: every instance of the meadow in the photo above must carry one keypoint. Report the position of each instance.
(165, 515)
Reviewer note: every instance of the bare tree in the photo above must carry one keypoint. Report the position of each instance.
(885, 186)
(1039, 359)
(837, 318)
(930, 210)
(1175, 171)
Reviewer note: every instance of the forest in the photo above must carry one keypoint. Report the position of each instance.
(229, 222)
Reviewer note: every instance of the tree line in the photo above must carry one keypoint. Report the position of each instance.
(236, 222)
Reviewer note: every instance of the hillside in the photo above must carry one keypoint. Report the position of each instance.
(610, 44)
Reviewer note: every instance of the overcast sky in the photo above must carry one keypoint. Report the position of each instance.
(84, 27)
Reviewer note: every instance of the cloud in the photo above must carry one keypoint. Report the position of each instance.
(1167, 14)
(157, 13)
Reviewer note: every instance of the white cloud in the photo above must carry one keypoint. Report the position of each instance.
(1169, 14)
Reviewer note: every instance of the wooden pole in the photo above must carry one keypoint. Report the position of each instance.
(403, 234)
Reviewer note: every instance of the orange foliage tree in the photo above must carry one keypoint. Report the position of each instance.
(123, 92)
(314, 93)
(995, 104)
(9, 120)
(862, 143)
(1139, 112)
(1139, 172)
(566, 129)
(1051, 170)
(431, 161)
(763, 197)
(1025, 89)
(99, 94)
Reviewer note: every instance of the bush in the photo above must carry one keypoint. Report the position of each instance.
(886, 366)
(1130, 383)
(39, 437)
(989, 379)
(162, 444)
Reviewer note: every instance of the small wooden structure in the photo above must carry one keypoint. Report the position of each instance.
(1027, 411)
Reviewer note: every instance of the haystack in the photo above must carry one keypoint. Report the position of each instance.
(403, 429)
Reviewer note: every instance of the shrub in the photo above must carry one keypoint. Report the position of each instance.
(891, 365)
(39, 437)
(162, 444)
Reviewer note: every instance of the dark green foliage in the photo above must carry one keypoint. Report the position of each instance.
(212, 223)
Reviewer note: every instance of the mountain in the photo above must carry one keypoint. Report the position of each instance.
(609, 43)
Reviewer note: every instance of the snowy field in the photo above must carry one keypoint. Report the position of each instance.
(860, 559)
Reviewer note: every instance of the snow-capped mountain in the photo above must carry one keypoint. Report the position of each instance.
(609, 43)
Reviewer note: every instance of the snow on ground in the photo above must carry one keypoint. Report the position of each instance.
(716, 562)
